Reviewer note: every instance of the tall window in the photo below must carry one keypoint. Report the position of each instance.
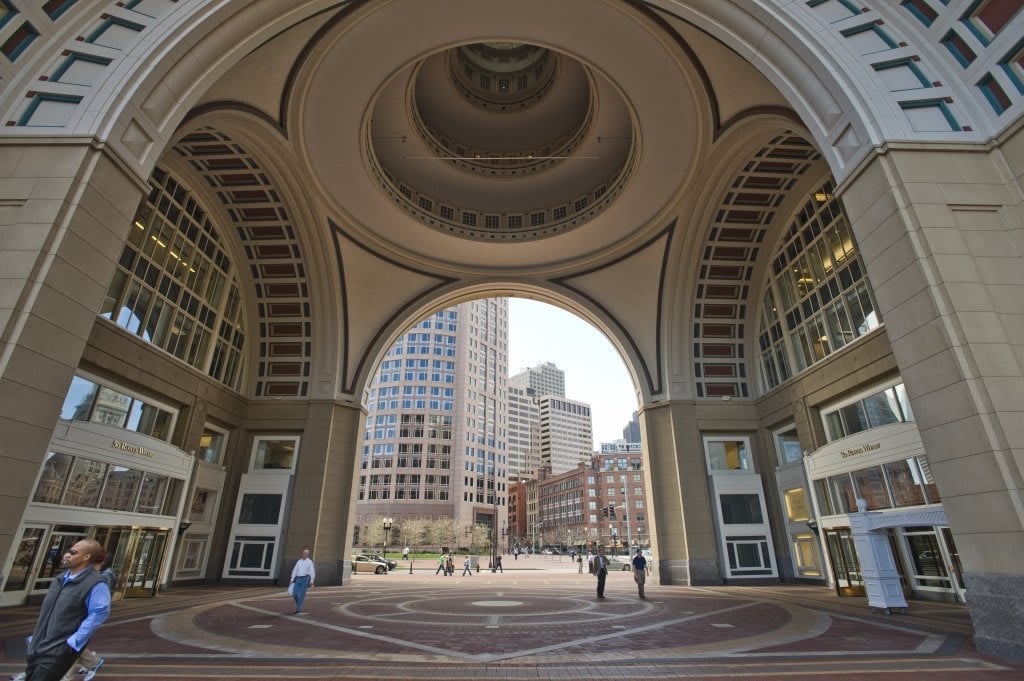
(817, 299)
(882, 408)
(175, 286)
(88, 400)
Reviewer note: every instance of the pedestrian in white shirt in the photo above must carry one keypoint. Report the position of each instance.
(303, 576)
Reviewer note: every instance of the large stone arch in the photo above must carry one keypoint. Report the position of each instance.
(934, 200)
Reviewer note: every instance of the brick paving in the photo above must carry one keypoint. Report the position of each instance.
(541, 623)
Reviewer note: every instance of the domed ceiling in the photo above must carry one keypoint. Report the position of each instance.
(444, 141)
(497, 141)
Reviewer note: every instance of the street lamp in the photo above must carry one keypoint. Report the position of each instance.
(388, 524)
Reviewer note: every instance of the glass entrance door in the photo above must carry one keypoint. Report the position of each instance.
(26, 557)
(845, 565)
(140, 578)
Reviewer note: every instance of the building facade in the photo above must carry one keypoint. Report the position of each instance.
(435, 437)
(773, 210)
(523, 432)
(544, 379)
(566, 432)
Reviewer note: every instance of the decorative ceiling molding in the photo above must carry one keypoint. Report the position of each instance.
(389, 292)
(645, 268)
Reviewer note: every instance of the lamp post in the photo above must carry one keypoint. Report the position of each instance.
(388, 523)
(533, 535)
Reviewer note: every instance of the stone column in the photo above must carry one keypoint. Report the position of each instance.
(940, 233)
(679, 511)
(65, 210)
(321, 511)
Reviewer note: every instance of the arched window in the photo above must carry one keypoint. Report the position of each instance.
(817, 298)
(175, 287)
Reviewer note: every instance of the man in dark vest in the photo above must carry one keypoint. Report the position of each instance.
(77, 603)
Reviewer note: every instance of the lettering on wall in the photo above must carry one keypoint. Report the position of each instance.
(867, 447)
(133, 449)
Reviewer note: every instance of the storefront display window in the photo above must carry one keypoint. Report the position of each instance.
(926, 557)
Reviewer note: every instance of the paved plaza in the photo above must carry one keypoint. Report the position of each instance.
(537, 620)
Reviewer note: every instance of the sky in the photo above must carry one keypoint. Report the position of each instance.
(594, 371)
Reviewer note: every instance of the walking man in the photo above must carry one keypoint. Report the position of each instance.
(77, 603)
(465, 568)
(440, 565)
(405, 553)
(600, 570)
(640, 571)
(303, 576)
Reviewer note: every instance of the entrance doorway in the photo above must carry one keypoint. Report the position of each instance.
(136, 554)
(845, 566)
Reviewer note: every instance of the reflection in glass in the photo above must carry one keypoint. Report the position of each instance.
(905, 482)
(259, 509)
(274, 454)
(121, 488)
(85, 483)
(51, 482)
(111, 408)
(152, 493)
(843, 494)
(24, 557)
(728, 455)
(78, 402)
(871, 487)
(741, 509)
(210, 446)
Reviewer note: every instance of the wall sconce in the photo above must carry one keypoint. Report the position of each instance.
(183, 527)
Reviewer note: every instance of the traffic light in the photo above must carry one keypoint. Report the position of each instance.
(604, 511)
(611, 511)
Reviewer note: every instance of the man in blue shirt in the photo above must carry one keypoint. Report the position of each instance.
(640, 571)
(77, 603)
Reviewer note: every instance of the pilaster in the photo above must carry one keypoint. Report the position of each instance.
(939, 231)
(682, 527)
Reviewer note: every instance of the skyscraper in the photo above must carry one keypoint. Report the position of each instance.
(543, 379)
(523, 432)
(434, 442)
(566, 433)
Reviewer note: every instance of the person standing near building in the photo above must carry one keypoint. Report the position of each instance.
(76, 604)
(303, 576)
(640, 571)
(600, 570)
(579, 562)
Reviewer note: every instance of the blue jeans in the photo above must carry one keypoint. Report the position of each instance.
(299, 591)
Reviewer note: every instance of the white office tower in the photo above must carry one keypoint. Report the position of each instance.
(523, 432)
(566, 433)
(434, 443)
(544, 379)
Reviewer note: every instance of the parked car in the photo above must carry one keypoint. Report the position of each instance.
(623, 563)
(367, 564)
(392, 564)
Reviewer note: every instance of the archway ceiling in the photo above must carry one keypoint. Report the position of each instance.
(316, 85)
